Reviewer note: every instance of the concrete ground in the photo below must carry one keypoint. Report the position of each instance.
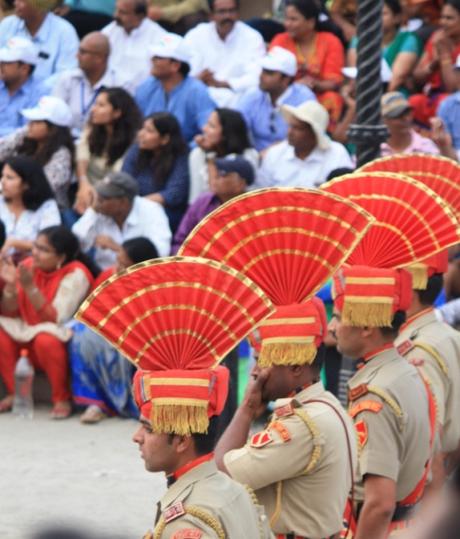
(89, 477)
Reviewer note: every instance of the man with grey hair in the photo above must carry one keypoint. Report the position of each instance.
(131, 37)
(119, 214)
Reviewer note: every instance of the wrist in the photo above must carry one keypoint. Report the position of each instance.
(249, 408)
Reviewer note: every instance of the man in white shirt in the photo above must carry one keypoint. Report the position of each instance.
(119, 215)
(225, 53)
(131, 37)
(79, 87)
(308, 155)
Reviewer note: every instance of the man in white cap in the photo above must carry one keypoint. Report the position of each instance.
(260, 107)
(308, 155)
(131, 36)
(225, 53)
(171, 89)
(55, 38)
(18, 87)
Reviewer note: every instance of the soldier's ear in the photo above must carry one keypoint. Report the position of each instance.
(182, 443)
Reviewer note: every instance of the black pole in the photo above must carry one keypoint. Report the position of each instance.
(368, 132)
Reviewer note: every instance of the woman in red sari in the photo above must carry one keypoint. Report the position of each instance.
(320, 55)
(436, 67)
(38, 297)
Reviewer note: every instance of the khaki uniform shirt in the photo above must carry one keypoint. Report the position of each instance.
(434, 348)
(299, 465)
(207, 504)
(389, 405)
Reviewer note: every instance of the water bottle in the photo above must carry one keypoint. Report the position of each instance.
(23, 403)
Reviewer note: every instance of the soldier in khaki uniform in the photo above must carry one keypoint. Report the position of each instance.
(388, 400)
(301, 465)
(176, 319)
(434, 348)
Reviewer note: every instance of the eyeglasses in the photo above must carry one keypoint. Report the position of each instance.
(228, 11)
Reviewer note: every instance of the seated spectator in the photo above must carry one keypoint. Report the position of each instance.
(39, 297)
(397, 115)
(112, 128)
(18, 87)
(87, 16)
(434, 70)
(179, 16)
(48, 140)
(159, 163)
(132, 35)
(79, 87)
(225, 53)
(308, 155)
(101, 376)
(119, 215)
(422, 17)
(55, 38)
(400, 49)
(225, 133)
(344, 14)
(229, 177)
(260, 107)
(320, 55)
(27, 204)
(449, 111)
(171, 89)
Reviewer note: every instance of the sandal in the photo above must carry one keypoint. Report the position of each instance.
(6, 404)
(61, 410)
(93, 414)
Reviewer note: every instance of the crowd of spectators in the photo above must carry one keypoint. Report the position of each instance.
(124, 122)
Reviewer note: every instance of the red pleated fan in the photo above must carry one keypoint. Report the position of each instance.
(175, 313)
(413, 222)
(289, 241)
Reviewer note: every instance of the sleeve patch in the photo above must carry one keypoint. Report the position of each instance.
(175, 511)
(261, 439)
(189, 533)
(417, 362)
(361, 429)
(365, 406)
(281, 430)
(284, 411)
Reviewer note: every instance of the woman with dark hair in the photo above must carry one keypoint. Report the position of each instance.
(46, 138)
(101, 376)
(435, 70)
(114, 121)
(400, 49)
(159, 162)
(320, 55)
(38, 298)
(27, 204)
(225, 133)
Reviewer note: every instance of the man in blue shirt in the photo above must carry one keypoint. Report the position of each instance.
(261, 107)
(55, 38)
(18, 88)
(449, 111)
(172, 89)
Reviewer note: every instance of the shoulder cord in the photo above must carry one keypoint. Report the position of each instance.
(432, 352)
(350, 453)
(256, 503)
(198, 513)
(391, 403)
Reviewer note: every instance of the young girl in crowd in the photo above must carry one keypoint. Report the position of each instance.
(27, 204)
(37, 299)
(48, 140)
(225, 133)
(159, 162)
(112, 128)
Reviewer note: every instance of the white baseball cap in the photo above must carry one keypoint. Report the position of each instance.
(282, 60)
(171, 46)
(19, 49)
(313, 114)
(51, 109)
